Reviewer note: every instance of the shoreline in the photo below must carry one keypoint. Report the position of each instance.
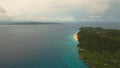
(75, 37)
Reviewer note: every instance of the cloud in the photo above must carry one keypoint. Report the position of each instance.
(3, 14)
(90, 6)
(98, 8)
(2, 10)
(99, 18)
(61, 10)
(51, 19)
(112, 18)
(46, 6)
(91, 18)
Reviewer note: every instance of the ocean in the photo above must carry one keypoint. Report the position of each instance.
(43, 46)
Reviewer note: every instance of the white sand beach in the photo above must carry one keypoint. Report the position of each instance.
(75, 36)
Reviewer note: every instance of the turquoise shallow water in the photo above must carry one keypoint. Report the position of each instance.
(68, 52)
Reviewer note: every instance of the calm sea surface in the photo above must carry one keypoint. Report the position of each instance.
(42, 46)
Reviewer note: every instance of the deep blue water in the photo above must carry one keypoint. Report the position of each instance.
(42, 46)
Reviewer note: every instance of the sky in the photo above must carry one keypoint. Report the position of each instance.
(60, 10)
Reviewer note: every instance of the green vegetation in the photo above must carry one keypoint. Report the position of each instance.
(100, 48)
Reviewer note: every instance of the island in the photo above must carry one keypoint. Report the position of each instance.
(32, 23)
(98, 47)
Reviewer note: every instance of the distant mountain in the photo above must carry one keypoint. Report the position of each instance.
(27, 23)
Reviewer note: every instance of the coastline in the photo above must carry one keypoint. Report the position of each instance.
(75, 37)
